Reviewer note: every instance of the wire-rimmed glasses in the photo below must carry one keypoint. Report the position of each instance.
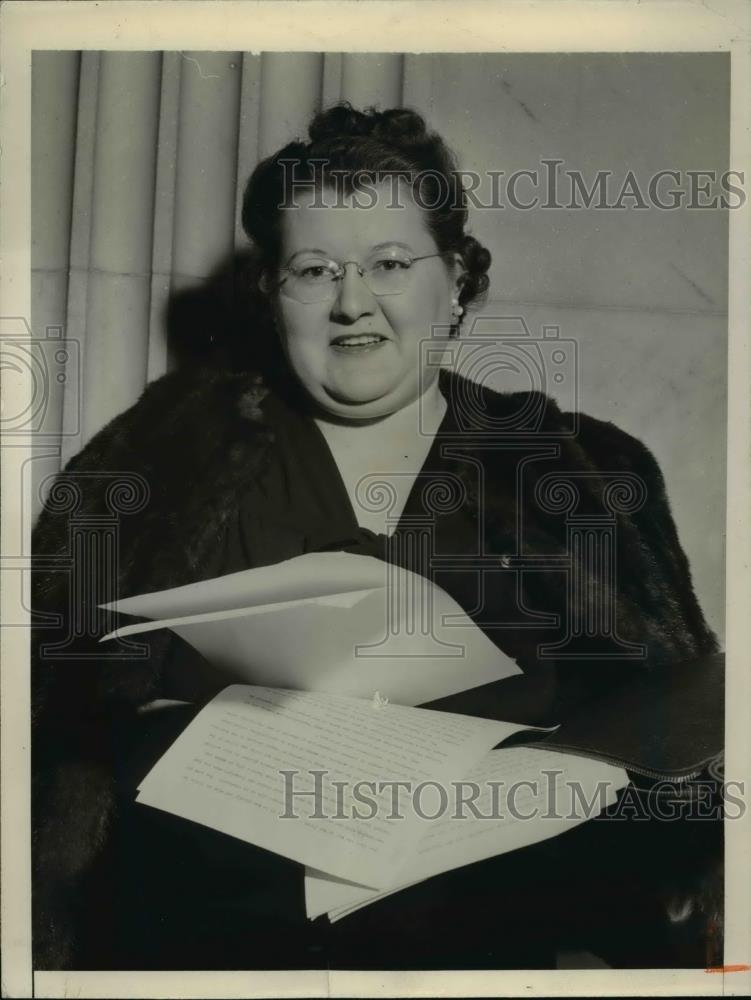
(313, 278)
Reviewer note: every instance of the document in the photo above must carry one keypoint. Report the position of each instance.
(372, 797)
(287, 771)
(526, 795)
(328, 621)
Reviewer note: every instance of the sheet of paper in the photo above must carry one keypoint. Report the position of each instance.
(311, 575)
(407, 639)
(226, 771)
(552, 794)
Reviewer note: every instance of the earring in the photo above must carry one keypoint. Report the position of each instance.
(456, 313)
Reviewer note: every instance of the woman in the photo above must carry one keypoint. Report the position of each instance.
(362, 274)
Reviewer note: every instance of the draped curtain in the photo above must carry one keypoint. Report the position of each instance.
(182, 130)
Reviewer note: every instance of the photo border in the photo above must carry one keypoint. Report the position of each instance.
(372, 25)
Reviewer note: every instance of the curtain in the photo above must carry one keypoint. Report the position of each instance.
(182, 131)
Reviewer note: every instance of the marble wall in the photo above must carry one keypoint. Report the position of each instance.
(641, 292)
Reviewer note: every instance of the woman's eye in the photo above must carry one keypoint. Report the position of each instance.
(391, 264)
(315, 271)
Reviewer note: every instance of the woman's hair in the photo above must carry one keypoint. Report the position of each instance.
(345, 148)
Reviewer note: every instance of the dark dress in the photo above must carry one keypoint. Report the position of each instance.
(188, 897)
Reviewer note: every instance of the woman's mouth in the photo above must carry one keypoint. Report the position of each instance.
(358, 343)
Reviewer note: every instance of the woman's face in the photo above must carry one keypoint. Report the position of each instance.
(350, 379)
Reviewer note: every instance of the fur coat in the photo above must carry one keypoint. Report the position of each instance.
(171, 472)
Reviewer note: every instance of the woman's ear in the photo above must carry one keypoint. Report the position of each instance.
(264, 284)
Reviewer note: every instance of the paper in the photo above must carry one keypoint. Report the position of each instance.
(306, 576)
(555, 792)
(226, 771)
(332, 622)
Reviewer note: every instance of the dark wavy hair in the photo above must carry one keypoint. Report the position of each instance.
(346, 145)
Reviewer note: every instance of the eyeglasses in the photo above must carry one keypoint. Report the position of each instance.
(314, 279)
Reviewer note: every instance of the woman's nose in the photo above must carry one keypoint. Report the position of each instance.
(354, 298)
